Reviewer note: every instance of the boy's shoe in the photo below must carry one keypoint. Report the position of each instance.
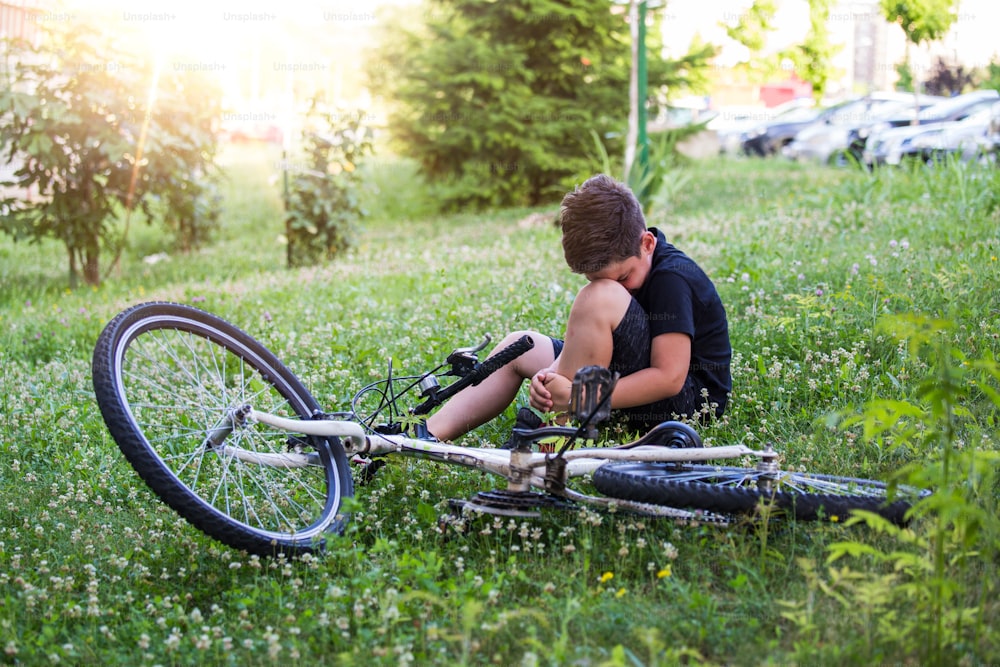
(419, 431)
(416, 431)
(526, 419)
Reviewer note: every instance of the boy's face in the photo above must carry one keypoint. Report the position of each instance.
(630, 273)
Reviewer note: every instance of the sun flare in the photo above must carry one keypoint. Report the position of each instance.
(259, 53)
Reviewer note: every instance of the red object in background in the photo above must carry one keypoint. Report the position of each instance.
(773, 94)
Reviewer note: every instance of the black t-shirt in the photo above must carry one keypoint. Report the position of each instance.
(679, 298)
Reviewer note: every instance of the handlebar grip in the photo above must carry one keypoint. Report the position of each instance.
(480, 373)
(500, 359)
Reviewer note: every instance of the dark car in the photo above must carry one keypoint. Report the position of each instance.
(771, 137)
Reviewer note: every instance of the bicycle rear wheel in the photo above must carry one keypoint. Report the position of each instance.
(806, 496)
(169, 380)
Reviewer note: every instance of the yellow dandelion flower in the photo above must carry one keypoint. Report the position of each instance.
(620, 592)
(664, 573)
(834, 518)
(607, 576)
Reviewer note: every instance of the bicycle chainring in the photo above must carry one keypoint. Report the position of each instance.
(511, 503)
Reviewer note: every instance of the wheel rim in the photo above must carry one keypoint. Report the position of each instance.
(781, 481)
(179, 379)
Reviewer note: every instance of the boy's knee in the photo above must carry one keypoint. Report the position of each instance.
(603, 296)
(601, 303)
(606, 288)
(514, 336)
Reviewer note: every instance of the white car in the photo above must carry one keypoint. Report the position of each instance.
(825, 140)
(732, 123)
(891, 146)
(966, 139)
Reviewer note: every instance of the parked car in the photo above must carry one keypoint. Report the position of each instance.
(993, 135)
(965, 140)
(731, 124)
(889, 145)
(830, 139)
(769, 137)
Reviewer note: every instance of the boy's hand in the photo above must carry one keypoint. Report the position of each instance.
(549, 391)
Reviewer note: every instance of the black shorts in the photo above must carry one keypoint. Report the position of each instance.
(631, 353)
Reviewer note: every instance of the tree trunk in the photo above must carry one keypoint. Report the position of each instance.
(632, 135)
(73, 275)
(91, 263)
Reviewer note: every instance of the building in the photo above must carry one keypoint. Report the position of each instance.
(871, 47)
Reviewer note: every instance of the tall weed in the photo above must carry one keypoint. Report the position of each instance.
(943, 568)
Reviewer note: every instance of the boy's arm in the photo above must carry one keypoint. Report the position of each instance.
(669, 363)
(670, 360)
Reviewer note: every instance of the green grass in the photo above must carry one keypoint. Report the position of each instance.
(812, 264)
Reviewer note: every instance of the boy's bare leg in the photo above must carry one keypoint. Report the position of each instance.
(476, 405)
(597, 311)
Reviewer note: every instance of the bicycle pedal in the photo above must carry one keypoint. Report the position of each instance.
(525, 419)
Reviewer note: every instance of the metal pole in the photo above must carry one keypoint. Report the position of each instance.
(642, 138)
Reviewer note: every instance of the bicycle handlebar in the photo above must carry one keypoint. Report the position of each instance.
(479, 373)
(500, 359)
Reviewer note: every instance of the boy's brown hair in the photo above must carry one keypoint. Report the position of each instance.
(602, 223)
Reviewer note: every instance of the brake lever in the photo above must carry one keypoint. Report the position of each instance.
(463, 360)
(472, 350)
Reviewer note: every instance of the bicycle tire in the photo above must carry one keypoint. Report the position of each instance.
(166, 376)
(728, 490)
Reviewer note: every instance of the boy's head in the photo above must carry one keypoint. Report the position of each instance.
(602, 224)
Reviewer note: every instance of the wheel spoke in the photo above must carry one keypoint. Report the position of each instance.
(170, 376)
(721, 489)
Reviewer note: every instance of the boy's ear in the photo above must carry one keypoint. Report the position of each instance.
(647, 242)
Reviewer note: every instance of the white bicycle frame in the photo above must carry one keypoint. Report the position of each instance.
(523, 470)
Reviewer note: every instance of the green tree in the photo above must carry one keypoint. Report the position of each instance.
(904, 80)
(813, 57)
(90, 143)
(989, 76)
(750, 28)
(922, 21)
(496, 100)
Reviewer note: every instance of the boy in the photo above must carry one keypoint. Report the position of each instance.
(648, 312)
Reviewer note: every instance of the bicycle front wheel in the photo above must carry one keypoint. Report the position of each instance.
(725, 490)
(170, 381)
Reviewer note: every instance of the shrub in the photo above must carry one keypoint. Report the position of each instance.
(323, 201)
(87, 151)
